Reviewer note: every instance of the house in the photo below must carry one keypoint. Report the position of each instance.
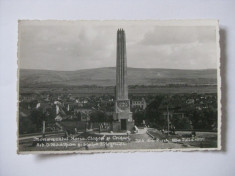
(190, 101)
(139, 103)
(81, 102)
(85, 113)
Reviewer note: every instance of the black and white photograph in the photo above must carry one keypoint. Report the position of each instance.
(118, 86)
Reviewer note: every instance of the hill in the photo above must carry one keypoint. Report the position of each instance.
(106, 77)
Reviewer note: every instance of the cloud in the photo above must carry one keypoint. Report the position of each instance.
(57, 45)
(164, 35)
(178, 56)
(64, 46)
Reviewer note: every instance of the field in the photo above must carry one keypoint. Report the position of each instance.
(100, 81)
(87, 91)
(107, 76)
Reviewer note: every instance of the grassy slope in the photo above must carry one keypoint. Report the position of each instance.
(106, 77)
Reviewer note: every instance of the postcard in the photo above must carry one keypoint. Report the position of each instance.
(118, 86)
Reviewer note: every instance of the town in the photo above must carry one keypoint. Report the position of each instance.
(69, 114)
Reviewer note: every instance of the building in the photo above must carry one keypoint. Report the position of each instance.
(84, 113)
(82, 102)
(138, 103)
(190, 101)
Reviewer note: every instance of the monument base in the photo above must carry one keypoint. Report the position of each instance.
(123, 115)
(123, 121)
(122, 125)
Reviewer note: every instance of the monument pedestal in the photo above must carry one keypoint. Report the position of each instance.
(123, 115)
(122, 125)
(123, 121)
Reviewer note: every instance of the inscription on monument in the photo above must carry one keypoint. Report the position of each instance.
(123, 104)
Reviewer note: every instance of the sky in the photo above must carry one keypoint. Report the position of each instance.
(75, 45)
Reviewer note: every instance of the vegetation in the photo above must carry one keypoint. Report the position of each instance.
(32, 122)
(201, 115)
(99, 116)
(106, 77)
(186, 111)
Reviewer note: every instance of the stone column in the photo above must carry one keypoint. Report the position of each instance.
(121, 67)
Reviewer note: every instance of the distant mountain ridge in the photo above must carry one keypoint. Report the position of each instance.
(106, 76)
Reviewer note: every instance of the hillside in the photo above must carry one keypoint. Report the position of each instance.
(106, 77)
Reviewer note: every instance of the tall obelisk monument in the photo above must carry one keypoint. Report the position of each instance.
(122, 112)
(121, 67)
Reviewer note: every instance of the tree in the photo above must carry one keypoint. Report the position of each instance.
(37, 118)
(153, 115)
(26, 125)
(181, 122)
(99, 116)
(211, 118)
(139, 117)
